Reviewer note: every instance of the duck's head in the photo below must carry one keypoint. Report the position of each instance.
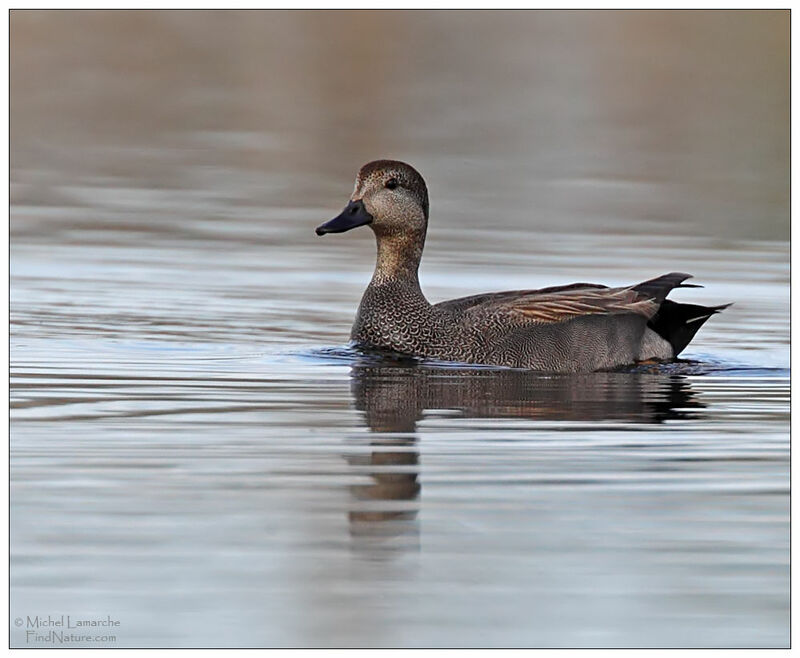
(389, 196)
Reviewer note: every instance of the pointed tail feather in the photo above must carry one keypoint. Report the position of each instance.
(661, 286)
(678, 323)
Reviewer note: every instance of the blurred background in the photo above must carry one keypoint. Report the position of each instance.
(566, 120)
(196, 451)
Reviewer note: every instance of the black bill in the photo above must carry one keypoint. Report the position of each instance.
(355, 214)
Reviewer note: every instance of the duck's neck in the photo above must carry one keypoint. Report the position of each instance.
(398, 259)
(393, 305)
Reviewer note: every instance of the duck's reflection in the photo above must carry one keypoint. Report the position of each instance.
(395, 397)
(386, 509)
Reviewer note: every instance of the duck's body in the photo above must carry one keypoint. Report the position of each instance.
(580, 327)
(575, 328)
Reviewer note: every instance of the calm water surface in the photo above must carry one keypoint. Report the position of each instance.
(197, 453)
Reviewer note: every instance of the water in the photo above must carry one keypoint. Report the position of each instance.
(197, 453)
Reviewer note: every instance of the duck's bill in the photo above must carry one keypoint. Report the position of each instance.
(353, 216)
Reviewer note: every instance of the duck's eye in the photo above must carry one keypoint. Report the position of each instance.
(391, 184)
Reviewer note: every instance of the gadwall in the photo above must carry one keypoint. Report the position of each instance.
(580, 327)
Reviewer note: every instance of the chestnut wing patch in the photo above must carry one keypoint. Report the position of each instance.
(566, 305)
(489, 300)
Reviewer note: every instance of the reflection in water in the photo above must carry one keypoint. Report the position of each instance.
(386, 514)
(394, 397)
(387, 507)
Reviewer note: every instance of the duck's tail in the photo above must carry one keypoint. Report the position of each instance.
(678, 323)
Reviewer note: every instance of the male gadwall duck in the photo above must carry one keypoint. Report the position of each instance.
(581, 327)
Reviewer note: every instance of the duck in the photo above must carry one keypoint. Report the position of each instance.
(579, 327)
